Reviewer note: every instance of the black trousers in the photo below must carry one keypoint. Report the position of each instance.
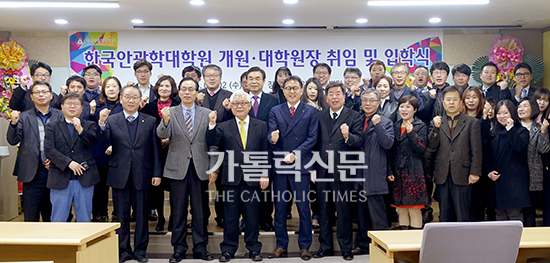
(245, 198)
(454, 201)
(338, 193)
(191, 187)
(372, 215)
(100, 200)
(36, 198)
(218, 202)
(266, 205)
(122, 199)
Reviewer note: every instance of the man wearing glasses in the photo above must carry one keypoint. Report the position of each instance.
(92, 75)
(461, 76)
(143, 70)
(523, 74)
(322, 72)
(31, 167)
(21, 97)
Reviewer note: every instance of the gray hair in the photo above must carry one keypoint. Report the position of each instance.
(239, 93)
(371, 90)
(399, 65)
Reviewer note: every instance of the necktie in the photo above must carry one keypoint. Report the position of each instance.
(292, 111)
(212, 94)
(255, 105)
(243, 134)
(366, 124)
(130, 118)
(334, 116)
(484, 93)
(523, 93)
(189, 122)
(71, 129)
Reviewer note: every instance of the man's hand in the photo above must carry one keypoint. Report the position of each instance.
(76, 168)
(504, 83)
(109, 150)
(226, 104)
(264, 182)
(274, 136)
(24, 80)
(313, 176)
(103, 114)
(130, 83)
(486, 109)
(433, 93)
(15, 117)
(92, 107)
(437, 121)
(375, 119)
(472, 179)
(160, 76)
(165, 142)
(412, 81)
(289, 158)
(63, 89)
(544, 126)
(77, 125)
(143, 102)
(391, 178)
(200, 97)
(494, 175)
(47, 164)
(156, 181)
(366, 82)
(213, 117)
(212, 177)
(165, 115)
(344, 128)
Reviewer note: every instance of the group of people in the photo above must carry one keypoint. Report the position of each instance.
(358, 150)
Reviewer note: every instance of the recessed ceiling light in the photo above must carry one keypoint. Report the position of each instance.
(23, 4)
(61, 21)
(361, 21)
(435, 20)
(213, 21)
(427, 2)
(288, 21)
(137, 21)
(290, 2)
(196, 2)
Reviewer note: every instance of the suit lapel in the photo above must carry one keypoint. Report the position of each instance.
(34, 124)
(285, 111)
(235, 132)
(297, 116)
(339, 121)
(445, 126)
(199, 118)
(460, 124)
(122, 126)
(141, 129)
(180, 119)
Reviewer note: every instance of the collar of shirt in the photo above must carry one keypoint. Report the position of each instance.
(136, 114)
(252, 95)
(215, 92)
(68, 121)
(185, 109)
(39, 113)
(96, 91)
(455, 118)
(383, 101)
(295, 106)
(246, 121)
(337, 112)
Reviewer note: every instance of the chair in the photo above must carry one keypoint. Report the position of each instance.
(471, 242)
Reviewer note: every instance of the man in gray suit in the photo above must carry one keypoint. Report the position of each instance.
(456, 140)
(186, 166)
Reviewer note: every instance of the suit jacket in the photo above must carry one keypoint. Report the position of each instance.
(298, 133)
(228, 134)
(26, 132)
(85, 115)
(461, 154)
(184, 149)
(223, 114)
(333, 140)
(21, 100)
(498, 94)
(353, 103)
(61, 149)
(539, 143)
(140, 158)
(267, 102)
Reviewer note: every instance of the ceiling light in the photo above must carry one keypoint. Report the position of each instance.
(213, 21)
(361, 21)
(137, 21)
(435, 20)
(22, 4)
(196, 2)
(61, 21)
(290, 2)
(288, 21)
(427, 2)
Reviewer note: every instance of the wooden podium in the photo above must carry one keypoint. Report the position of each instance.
(59, 242)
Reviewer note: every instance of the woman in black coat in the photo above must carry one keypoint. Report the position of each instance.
(166, 92)
(409, 185)
(506, 161)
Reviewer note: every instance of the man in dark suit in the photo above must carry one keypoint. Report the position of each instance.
(241, 187)
(339, 131)
(352, 79)
(456, 140)
(21, 97)
(134, 166)
(217, 99)
(73, 172)
(261, 104)
(490, 88)
(293, 131)
(77, 84)
(186, 166)
(31, 167)
(523, 74)
(92, 75)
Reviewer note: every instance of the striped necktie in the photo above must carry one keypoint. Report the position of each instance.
(189, 122)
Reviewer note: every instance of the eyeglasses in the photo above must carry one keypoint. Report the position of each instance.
(400, 72)
(240, 103)
(184, 89)
(421, 74)
(289, 88)
(369, 101)
(91, 74)
(41, 92)
(128, 98)
(211, 76)
(330, 94)
(523, 75)
(142, 72)
(351, 77)
(448, 99)
(40, 75)
(321, 72)
(72, 104)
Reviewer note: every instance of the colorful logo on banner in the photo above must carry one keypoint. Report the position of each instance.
(84, 44)
(431, 45)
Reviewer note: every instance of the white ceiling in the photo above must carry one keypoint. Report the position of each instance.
(270, 13)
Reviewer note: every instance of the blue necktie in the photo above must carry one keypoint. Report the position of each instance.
(523, 93)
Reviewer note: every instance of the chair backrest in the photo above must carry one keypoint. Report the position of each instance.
(471, 242)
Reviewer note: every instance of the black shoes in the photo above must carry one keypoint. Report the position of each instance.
(204, 255)
(255, 256)
(323, 253)
(176, 257)
(160, 224)
(142, 259)
(347, 255)
(124, 258)
(225, 257)
(360, 251)
(153, 215)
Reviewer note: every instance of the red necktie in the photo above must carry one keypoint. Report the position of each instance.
(292, 111)
(212, 94)
(366, 124)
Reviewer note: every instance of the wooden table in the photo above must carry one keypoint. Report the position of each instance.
(393, 245)
(59, 242)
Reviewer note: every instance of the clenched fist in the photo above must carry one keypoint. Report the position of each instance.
(376, 119)
(344, 128)
(200, 97)
(103, 114)
(213, 117)
(15, 117)
(165, 115)
(437, 121)
(226, 104)
(92, 107)
(274, 136)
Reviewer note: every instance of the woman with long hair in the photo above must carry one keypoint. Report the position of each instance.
(280, 76)
(313, 95)
(472, 101)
